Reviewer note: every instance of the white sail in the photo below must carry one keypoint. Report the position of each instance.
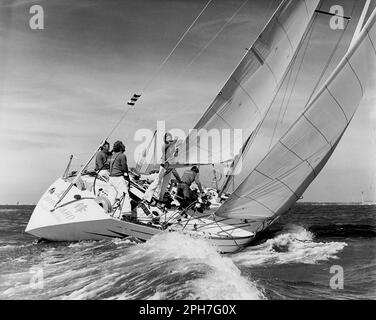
(250, 90)
(281, 178)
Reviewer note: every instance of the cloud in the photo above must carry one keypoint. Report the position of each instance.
(63, 88)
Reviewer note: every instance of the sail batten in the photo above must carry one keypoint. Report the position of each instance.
(242, 102)
(281, 178)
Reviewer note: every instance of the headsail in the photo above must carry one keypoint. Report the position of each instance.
(281, 178)
(248, 93)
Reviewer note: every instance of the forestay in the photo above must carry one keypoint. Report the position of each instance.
(281, 178)
(147, 158)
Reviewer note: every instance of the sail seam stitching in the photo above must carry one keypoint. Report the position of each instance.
(317, 129)
(356, 75)
(249, 96)
(271, 71)
(215, 112)
(299, 70)
(336, 101)
(248, 197)
(300, 158)
(372, 44)
(225, 107)
(221, 92)
(305, 4)
(280, 181)
(288, 172)
(287, 36)
(257, 55)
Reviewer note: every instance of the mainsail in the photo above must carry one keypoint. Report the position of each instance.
(250, 90)
(147, 158)
(281, 178)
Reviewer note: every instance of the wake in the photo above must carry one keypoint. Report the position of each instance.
(294, 244)
(207, 274)
(169, 266)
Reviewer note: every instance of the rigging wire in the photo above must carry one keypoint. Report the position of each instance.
(228, 22)
(160, 67)
(214, 37)
(330, 58)
(307, 39)
(175, 47)
(281, 106)
(249, 143)
(297, 74)
(324, 70)
(311, 27)
(309, 35)
(270, 8)
(131, 102)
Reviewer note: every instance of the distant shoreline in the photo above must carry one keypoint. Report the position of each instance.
(339, 203)
(370, 203)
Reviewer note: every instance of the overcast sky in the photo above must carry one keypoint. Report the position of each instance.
(64, 87)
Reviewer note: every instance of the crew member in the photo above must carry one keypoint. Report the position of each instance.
(184, 192)
(102, 161)
(159, 186)
(119, 178)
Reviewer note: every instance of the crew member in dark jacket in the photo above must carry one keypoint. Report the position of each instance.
(102, 161)
(186, 196)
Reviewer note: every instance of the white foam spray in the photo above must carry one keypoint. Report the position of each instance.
(169, 266)
(223, 281)
(293, 245)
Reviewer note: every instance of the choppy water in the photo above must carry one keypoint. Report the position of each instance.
(291, 261)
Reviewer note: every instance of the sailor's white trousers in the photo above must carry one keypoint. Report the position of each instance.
(120, 186)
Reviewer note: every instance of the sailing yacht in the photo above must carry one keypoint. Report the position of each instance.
(75, 206)
(367, 202)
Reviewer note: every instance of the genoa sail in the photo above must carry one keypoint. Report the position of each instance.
(244, 99)
(282, 177)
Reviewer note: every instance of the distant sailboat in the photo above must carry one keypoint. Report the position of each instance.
(366, 202)
(75, 207)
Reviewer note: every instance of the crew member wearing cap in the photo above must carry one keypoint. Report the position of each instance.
(119, 177)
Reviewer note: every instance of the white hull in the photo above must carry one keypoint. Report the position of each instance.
(84, 219)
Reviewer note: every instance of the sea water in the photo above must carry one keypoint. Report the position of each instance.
(292, 260)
